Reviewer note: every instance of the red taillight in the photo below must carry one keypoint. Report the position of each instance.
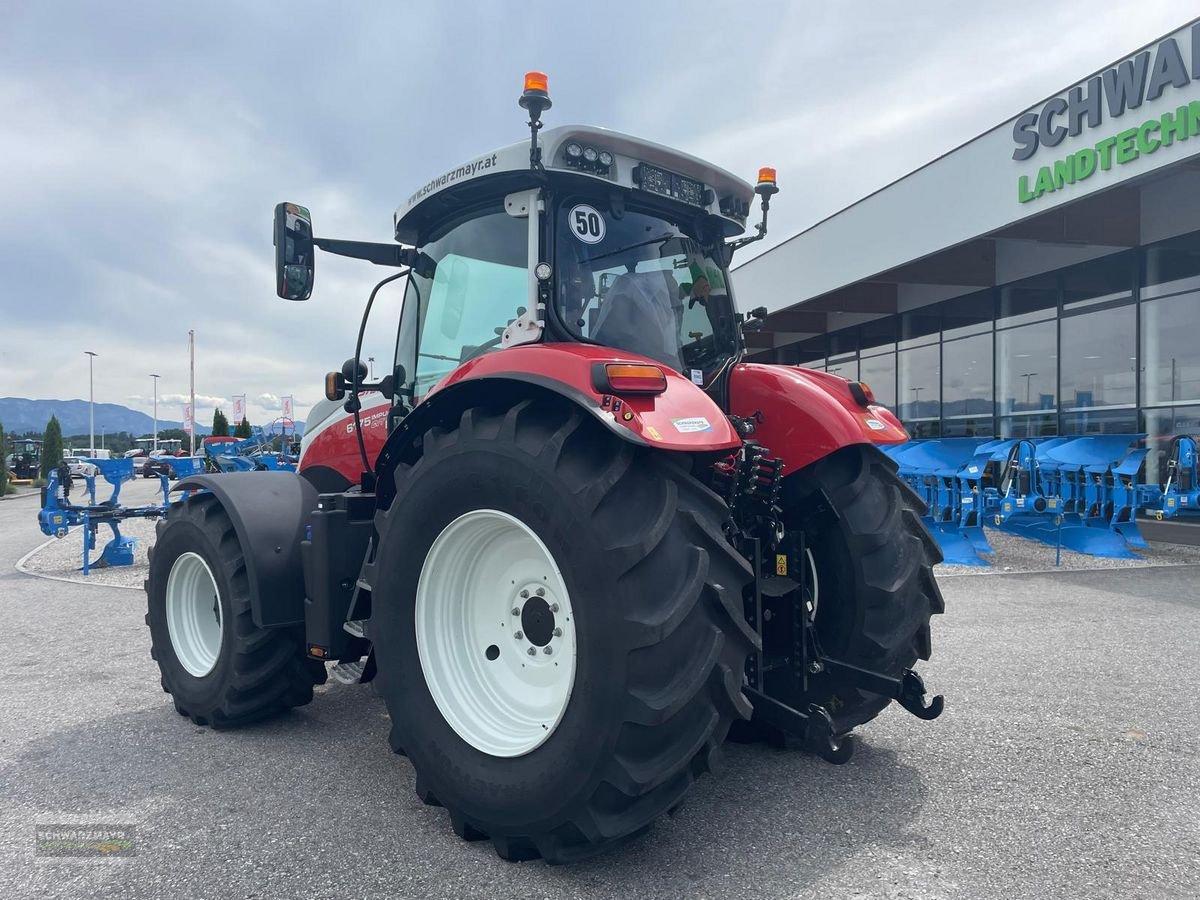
(629, 378)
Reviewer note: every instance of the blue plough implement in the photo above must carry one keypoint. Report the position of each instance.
(247, 455)
(57, 517)
(1082, 493)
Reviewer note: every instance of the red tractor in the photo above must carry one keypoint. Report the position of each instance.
(576, 538)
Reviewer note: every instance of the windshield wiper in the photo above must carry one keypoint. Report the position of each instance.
(646, 243)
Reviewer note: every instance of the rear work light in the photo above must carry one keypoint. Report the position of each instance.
(862, 394)
(628, 378)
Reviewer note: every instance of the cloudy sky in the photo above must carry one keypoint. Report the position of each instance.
(143, 145)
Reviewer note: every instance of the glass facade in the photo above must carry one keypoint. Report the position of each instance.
(1110, 345)
(968, 404)
(919, 395)
(1027, 369)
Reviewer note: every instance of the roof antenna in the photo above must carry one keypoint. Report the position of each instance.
(535, 98)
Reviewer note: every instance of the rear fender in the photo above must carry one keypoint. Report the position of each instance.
(269, 511)
(802, 415)
(682, 418)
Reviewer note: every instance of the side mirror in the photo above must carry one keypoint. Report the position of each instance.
(348, 372)
(294, 252)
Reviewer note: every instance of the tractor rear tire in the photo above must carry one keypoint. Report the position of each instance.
(633, 550)
(874, 569)
(220, 668)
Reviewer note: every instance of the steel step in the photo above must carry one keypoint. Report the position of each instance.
(347, 672)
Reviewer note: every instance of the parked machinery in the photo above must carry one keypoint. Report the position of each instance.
(24, 460)
(253, 454)
(57, 516)
(1181, 488)
(1083, 493)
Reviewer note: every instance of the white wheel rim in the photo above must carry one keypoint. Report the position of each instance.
(495, 633)
(194, 618)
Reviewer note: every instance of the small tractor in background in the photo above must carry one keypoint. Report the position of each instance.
(571, 534)
(25, 459)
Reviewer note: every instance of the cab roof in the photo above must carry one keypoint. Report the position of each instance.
(724, 195)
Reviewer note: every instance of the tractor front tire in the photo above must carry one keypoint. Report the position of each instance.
(219, 667)
(557, 621)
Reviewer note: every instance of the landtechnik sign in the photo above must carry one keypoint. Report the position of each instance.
(1133, 109)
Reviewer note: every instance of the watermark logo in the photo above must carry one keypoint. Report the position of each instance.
(98, 841)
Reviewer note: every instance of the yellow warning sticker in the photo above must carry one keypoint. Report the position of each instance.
(653, 434)
(780, 563)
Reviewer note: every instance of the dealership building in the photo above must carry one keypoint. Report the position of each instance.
(1041, 279)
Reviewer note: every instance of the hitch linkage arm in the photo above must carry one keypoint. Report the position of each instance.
(815, 726)
(907, 690)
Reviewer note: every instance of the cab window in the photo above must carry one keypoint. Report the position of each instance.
(479, 282)
(645, 283)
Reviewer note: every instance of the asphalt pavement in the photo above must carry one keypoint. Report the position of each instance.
(1066, 765)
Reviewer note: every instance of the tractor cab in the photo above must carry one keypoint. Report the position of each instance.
(611, 241)
(581, 235)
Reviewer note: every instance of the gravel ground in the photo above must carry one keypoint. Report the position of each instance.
(1015, 554)
(63, 557)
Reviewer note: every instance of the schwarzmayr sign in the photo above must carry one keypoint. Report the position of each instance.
(1122, 89)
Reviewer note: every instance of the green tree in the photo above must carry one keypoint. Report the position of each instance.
(243, 428)
(3, 463)
(220, 424)
(52, 446)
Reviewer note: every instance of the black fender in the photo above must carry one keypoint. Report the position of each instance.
(446, 406)
(270, 512)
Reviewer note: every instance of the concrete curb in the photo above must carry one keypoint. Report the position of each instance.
(20, 567)
(21, 495)
(983, 572)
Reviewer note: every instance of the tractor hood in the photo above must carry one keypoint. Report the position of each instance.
(636, 165)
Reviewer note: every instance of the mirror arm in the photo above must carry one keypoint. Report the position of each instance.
(380, 254)
(760, 230)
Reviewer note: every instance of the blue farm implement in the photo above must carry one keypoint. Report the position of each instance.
(1181, 491)
(1083, 493)
(247, 455)
(57, 516)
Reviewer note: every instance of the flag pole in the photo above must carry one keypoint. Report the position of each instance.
(192, 383)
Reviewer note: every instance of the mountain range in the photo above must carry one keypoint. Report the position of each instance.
(18, 414)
